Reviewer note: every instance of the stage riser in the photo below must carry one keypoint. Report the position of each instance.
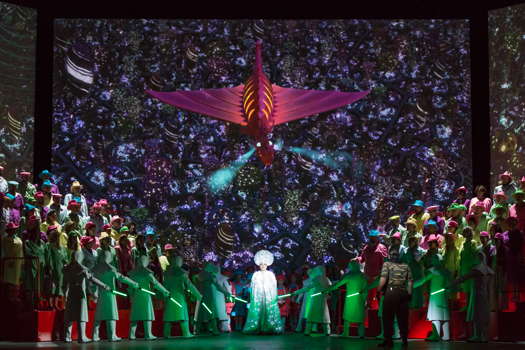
(48, 326)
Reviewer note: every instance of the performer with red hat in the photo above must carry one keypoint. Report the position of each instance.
(373, 256)
(508, 186)
(97, 218)
(457, 215)
(461, 197)
(501, 199)
(124, 256)
(78, 197)
(60, 209)
(481, 218)
(75, 214)
(481, 197)
(12, 252)
(40, 204)
(56, 258)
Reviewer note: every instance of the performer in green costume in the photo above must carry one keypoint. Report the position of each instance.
(107, 309)
(207, 311)
(316, 311)
(141, 304)
(438, 309)
(356, 285)
(55, 259)
(177, 282)
(75, 278)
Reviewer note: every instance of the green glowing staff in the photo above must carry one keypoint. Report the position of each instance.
(284, 296)
(353, 294)
(119, 293)
(438, 291)
(316, 294)
(176, 302)
(207, 308)
(147, 291)
(241, 300)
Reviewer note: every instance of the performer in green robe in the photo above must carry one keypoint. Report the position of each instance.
(468, 258)
(75, 277)
(177, 282)
(55, 260)
(438, 308)
(317, 307)
(413, 258)
(302, 298)
(107, 309)
(141, 304)
(356, 285)
(34, 252)
(207, 311)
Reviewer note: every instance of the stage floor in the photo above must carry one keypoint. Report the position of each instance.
(238, 341)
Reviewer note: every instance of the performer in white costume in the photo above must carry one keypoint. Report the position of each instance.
(264, 316)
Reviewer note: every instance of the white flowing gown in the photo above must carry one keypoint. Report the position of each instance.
(263, 313)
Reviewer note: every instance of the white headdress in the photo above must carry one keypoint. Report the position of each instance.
(263, 257)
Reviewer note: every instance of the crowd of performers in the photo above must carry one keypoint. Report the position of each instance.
(58, 253)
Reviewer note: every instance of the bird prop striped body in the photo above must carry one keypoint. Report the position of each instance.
(258, 105)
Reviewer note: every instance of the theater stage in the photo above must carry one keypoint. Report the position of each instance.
(238, 341)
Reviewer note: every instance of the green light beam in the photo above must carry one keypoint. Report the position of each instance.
(147, 291)
(176, 302)
(438, 291)
(119, 293)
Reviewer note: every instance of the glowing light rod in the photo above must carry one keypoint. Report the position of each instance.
(438, 291)
(176, 302)
(353, 295)
(241, 300)
(147, 291)
(207, 308)
(284, 296)
(316, 294)
(119, 293)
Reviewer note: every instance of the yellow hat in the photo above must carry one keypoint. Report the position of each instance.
(103, 235)
(395, 217)
(76, 184)
(411, 221)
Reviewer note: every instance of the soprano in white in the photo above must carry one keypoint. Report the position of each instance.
(263, 313)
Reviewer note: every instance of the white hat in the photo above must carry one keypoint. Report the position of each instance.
(263, 257)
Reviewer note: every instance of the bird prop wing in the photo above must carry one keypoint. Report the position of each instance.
(224, 104)
(292, 104)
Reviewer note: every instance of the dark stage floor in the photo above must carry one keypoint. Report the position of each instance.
(238, 341)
